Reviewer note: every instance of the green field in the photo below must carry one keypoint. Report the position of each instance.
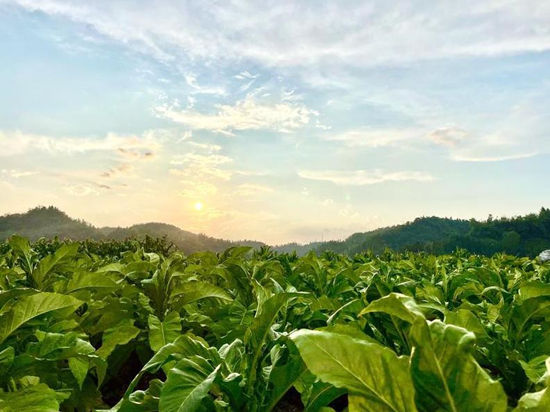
(111, 326)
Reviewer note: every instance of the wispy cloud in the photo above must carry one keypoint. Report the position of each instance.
(496, 147)
(200, 174)
(247, 114)
(365, 137)
(208, 147)
(309, 32)
(16, 143)
(198, 89)
(16, 173)
(473, 158)
(364, 177)
(117, 171)
(448, 136)
(251, 189)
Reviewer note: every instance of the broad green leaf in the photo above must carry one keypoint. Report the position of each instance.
(467, 320)
(192, 291)
(165, 331)
(367, 370)
(49, 263)
(534, 402)
(6, 359)
(30, 306)
(535, 369)
(37, 398)
(445, 374)
(184, 346)
(316, 394)
(282, 376)
(89, 280)
(258, 331)
(121, 334)
(79, 368)
(22, 248)
(187, 384)
(144, 401)
(395, 304)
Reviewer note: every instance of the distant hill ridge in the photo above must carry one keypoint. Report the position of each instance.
(523, 235)
(50, 222)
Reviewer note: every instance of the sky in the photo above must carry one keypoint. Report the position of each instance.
(277, 121)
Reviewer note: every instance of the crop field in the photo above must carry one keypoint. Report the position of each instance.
(252, 330)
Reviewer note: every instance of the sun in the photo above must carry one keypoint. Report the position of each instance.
(198, 206)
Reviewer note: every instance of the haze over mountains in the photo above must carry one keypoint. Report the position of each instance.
(523, 235)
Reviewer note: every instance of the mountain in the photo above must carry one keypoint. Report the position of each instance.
(523, 235)
(419, 234)
(50, 222)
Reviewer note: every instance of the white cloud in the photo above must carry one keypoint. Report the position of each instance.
(251, 189)
(16, 173)
(246, 75)
(494, 147)
(200, 174)
(207, 147)
(191, 80)
(308, 32)
(485, 158)
(200, 160)
(448, 136)
(116, 171)
(246, 114)
(129, 147)
(365, 137)
(81, 189)
(364, 177)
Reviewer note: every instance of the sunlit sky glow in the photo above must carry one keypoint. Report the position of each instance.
(276, 121)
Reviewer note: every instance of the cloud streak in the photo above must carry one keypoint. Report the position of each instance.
(364, 177)
(247, 114)
(310, 32)
(130, 147)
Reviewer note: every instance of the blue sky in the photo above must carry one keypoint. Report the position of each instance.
(286, 121)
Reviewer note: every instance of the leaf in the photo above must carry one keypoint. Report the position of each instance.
(367, 370)
(445, 374)
(165, 331)
(121, 334)
(467, 320)
(536, 401)
(31, 306)
(192, 291)
(22, 248)
(258, 331)
(283, 376)
(184, 346)
(89, 280)
(187, 384)
(37, 398)
(395, 304)
(144, 401)
(7, 356)
(48, 263)
(535, 369)
(316, 394)
(321, 395)
(79, 368)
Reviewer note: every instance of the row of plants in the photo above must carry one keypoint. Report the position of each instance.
(251, 330)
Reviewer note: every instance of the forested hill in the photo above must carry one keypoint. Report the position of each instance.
(50, 222)
(524, 235)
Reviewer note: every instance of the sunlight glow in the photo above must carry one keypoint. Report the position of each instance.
(198, 206)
